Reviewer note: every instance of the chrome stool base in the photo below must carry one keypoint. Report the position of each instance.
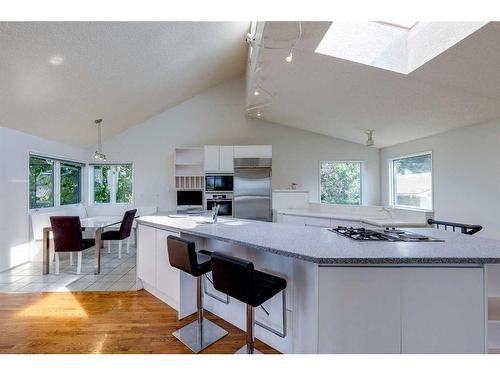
(198, 336)
(244, 350)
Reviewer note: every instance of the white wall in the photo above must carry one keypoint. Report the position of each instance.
(14, 222)
(216, 116)
(466, 172)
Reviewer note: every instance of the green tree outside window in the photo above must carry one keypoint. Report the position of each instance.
(340, 182)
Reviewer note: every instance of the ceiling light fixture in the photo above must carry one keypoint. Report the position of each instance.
(56, 60)
(370, 142)
(259, 114)
(98, 155)
(289, 58)
(256, 92)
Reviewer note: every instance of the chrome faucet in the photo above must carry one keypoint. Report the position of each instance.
(215, 213)
(387, 210)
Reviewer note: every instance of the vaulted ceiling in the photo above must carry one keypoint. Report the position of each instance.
(57, 77)
(341, 98)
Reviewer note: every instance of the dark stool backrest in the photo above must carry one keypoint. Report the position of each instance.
(182, 254)
(67, 233)
(234, 277)
(126, 225)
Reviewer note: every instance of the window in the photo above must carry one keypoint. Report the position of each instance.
(70, 188)
(412, 181)
(53, 182)
(112, 183)
(340, 182)
(41, 182)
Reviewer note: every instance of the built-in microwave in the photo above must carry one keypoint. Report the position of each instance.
(224, 201)
(218, 182)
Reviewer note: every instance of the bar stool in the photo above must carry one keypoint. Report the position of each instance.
(238, 278)
(202, 332)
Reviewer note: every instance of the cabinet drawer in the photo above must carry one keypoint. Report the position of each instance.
(317, 222)
(290, 219)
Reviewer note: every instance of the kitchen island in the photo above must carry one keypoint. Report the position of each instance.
(343, 296)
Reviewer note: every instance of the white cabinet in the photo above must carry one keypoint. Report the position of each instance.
(290, 219)
(167, 277)
(219, 159)
(256, 151)
(146, 254)
(226, 159)
(401, 310)
(212, 154)
(442, 310)
(359, 310)
(321, 222)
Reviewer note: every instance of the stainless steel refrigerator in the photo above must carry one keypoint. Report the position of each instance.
(252, 188)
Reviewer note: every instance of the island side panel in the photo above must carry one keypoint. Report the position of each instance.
(285, 267)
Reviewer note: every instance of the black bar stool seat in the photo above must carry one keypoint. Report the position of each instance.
(182, 255)
(238, 278)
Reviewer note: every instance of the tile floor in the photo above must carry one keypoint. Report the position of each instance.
(116, 274)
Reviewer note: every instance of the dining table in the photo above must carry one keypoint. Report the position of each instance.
(95, 224)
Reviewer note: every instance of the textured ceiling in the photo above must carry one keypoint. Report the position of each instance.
(123, 72)
(340, 98)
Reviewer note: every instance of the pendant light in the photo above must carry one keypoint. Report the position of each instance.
(98, 155)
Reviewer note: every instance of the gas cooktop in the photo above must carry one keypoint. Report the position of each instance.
(362, 234)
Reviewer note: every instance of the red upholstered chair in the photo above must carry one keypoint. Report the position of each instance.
(67, 232)
(121, 234)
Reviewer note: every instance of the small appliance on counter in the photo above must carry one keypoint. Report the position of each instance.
(362, 234)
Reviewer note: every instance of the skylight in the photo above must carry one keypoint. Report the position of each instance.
(404, 24)
(398, 46)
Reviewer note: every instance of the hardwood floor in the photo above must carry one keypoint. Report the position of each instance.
(100, 322)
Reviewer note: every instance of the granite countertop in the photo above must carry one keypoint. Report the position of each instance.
(321, 246)
(377, 221)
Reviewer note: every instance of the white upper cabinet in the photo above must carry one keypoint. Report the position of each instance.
(257, 151)
(220, 159)
(212, 155)
(226, 156)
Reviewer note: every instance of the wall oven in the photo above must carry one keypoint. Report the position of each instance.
(224, 201)
(218, 182)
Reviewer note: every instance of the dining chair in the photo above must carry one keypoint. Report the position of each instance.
(121, 234)
(68, 237)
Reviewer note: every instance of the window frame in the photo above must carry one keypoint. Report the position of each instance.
(361, 180)
(391, 180)
(113, 185)
(57, 161)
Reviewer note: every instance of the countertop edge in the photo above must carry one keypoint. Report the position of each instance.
(331, 261)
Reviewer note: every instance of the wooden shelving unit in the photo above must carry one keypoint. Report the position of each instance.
(189, 169)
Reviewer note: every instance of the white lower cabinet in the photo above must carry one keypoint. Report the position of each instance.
(146, 254)
(292, 219)
(167, 277)
(153, 267)
(442, 310)
(317, 222)
(401, 310)
(359, 310)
